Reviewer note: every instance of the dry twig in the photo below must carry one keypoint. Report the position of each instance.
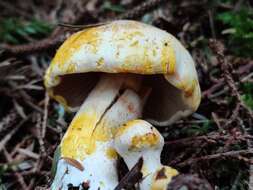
(233, 154)
(18, 175)
(132, 177)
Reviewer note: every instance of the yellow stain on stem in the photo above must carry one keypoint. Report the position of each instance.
(122, 129)
(148, 140)
(82, 135)
(111, 153)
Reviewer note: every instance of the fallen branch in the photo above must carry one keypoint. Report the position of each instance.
(140, 10)
(5, 140)
(218, 48)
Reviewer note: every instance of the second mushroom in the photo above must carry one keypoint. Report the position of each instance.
(110, 75)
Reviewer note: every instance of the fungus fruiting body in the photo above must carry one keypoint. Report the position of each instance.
(87, 154)
(136, 139)
(113, 74)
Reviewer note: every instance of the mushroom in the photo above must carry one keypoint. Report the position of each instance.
(114, 73)
(136, 139)
(87, 154)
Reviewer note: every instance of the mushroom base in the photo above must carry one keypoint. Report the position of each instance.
(97, 166)
(98, 171)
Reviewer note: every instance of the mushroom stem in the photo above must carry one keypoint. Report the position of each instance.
(138, 138)
(87, 157)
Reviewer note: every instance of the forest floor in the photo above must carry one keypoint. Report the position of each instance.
(213, 145)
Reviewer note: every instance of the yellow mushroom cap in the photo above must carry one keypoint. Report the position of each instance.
(127, 47)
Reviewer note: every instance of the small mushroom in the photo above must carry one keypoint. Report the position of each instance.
(114, 73)
(136, 139)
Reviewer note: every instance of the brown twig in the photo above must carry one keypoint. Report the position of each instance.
(219, 49)
(132, 177)
(140, 10)
(5, 140)
(213, 88)
(39, 134)
(52, 41)
(8, 120)
(44, 122)
(215, 156)
(18, 175)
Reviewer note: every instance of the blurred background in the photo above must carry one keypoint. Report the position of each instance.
(214, 144)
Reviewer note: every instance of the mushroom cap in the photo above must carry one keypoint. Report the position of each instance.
(127, 47)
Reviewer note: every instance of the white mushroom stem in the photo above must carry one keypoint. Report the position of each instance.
(87, 155)
(137, 139)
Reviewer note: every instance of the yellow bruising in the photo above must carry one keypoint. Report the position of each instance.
(168, 59)
(50, 79)
(130, 63)
(88, 37)
(196, 96)
(71, 68)
(137, 60)
(139, 63)
(134, 44)
(145, 64)
(144, 170)
(148, 65)
(193, 94)
(189, 89)
(82, 135)
(111, 153)
(131, 35)
(47, 77)
(123, 129)
(100, 62)
(162, 183)
(50, 89)
(147, 140)
(188, 86)
(126, 31)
